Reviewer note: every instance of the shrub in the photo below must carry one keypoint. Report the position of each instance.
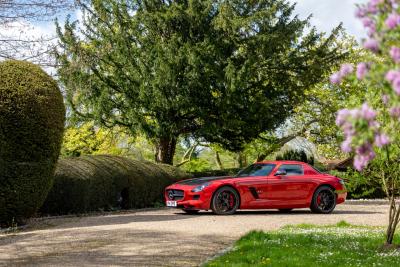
(298, 155)
(32, 116)
(101, 182)
(360, 185)
(211, 173)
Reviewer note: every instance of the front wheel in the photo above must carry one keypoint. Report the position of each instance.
(324, 200)
(225, 201)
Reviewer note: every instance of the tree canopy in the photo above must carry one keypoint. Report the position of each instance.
(221, 71)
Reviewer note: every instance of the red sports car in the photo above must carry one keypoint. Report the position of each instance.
(283, 185)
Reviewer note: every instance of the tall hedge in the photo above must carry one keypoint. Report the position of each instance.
(32, 116)
(101, 182)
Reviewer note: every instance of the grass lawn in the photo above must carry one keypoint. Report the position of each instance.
(309, 245)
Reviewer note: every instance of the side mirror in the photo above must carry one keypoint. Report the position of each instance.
(280, 173)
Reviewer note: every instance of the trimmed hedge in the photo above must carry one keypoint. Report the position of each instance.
(32, 116)
(101, 182)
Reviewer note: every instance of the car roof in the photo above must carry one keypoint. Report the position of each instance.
(282, 162)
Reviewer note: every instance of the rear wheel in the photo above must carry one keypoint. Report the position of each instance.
(285, 210)
(225, 201)
(192, 212)
(324, 200)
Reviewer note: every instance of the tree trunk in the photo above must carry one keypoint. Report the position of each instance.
(261, 157)
(165, 150)
(218, 160)
(241, 160)
(394, 215)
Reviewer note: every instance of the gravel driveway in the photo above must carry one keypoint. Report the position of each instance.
(164, 237)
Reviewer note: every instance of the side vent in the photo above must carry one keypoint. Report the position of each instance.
(254, 192)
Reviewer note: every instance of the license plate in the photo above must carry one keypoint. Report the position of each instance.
(171, 203)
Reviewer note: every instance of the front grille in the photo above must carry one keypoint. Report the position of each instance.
(174, 194)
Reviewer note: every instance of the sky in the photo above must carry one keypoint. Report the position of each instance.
(327, 14)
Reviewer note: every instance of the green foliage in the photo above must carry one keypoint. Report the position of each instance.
(88, 139)
(298, 155)
(93, 183)
(378, 180)
(224, 71)
(311, 245)
(197, 165)
(317, 113)
(359, 185)
(32, 116)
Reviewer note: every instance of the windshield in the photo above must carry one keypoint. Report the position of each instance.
(256, 170)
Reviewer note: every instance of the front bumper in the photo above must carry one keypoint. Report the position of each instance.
(190, 200)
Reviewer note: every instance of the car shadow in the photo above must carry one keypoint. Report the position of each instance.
(92, 221)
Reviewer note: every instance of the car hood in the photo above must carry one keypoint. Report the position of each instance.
(202, 180)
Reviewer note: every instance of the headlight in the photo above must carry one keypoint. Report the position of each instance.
(200, 187)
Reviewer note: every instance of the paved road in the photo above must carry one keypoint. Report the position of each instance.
(155, 238)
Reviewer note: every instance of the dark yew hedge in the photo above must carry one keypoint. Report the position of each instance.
(212, 173)
(32, 116)
(102, 182)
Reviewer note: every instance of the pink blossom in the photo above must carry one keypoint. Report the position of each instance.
(376, 2)
(360, 12)
(395, 112)
(361, 161)
(385, 99)
(372, 44)
(348, 129)
(367, 22)
(362, 70)
(356, 113)
(367, 112)
(364, 148)
(391, 75)
(396, 85)
(392, 21)
(371, 30)
(381, 140)
(393, 4)
(373, 124)
(372, 8)
(336, 78)
(364, 154)
(346, 145)
(346, 69)
(342, 116)
(395, 54)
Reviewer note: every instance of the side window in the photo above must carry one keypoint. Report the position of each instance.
(292, 169)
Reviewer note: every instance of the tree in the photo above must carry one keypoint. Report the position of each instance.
(222, 71)
(372, 131)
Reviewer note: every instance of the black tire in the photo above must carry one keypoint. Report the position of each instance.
(285, 210)
(191, 212)
(324, 200)
(225, 201)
